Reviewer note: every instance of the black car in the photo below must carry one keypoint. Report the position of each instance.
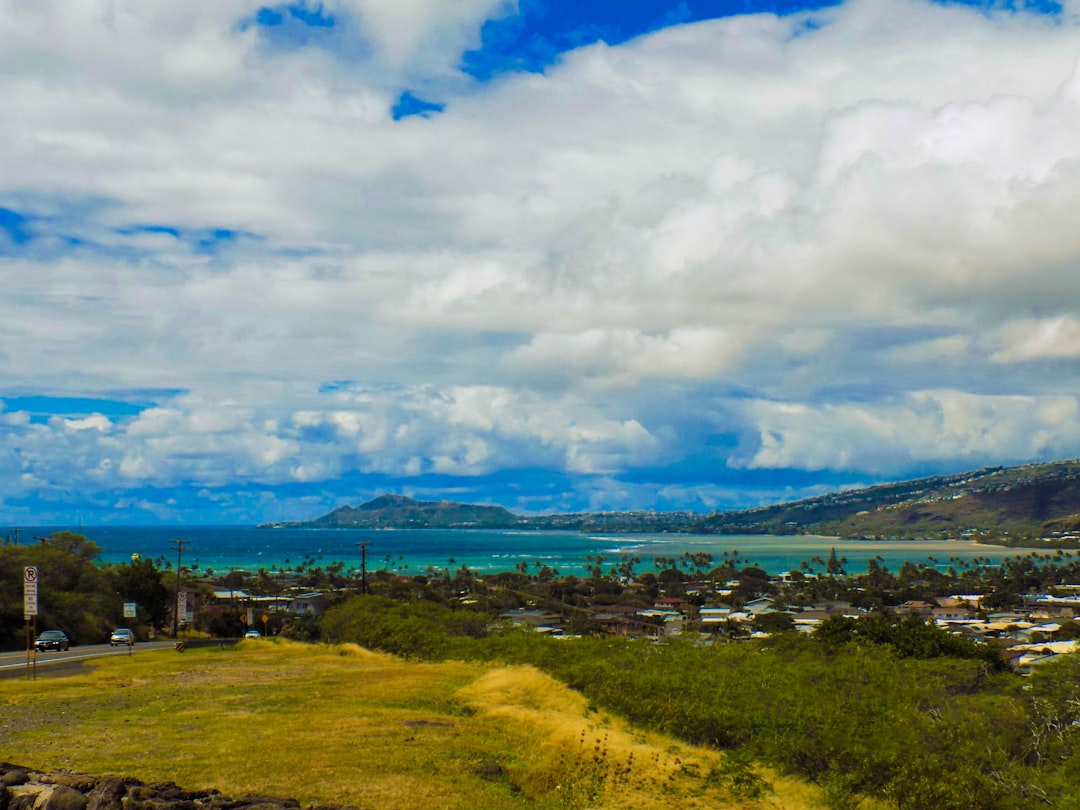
(52, 640)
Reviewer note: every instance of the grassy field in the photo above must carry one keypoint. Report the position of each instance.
(341, 725)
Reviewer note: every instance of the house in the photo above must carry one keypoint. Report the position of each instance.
(1053, 607)
(713, 615)
(956, 613)
(670, 620)
(970, 600)
(230, 595)
(914, 607)
(763, 604)
(308, 604)
(671, 602)
(1022, 657)
(1030, 633)
(806, 622)
(620, 622)
(273, 604)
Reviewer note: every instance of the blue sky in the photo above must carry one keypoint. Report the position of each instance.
(263, 260)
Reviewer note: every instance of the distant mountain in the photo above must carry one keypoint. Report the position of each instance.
(1010, 505)
(399, 512)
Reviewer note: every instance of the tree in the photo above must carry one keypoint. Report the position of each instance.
(140, 582)
(74, 594)
(774, 622)
(834, 566)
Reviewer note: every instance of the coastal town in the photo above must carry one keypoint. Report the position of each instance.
(725, 604)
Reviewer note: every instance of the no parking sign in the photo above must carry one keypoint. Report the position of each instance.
(30, 591)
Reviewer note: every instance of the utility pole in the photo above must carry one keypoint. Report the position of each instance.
(179, 546)
(363, 567)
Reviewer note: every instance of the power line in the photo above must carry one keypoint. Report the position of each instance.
(363, 567)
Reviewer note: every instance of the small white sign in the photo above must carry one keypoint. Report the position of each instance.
(30, 591)
(129, 610)
(181, 603)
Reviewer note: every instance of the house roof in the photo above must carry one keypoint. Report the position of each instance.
(232, 593)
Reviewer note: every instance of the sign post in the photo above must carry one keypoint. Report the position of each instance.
(181, 610)
(30, 610)
(129, 613)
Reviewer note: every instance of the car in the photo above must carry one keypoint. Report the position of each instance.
(252, 634)
(121, 636)
(52, 640)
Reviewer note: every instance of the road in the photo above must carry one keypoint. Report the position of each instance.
(13, 664)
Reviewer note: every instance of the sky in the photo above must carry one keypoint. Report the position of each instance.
(259, 261)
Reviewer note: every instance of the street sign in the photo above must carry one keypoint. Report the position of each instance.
(129, 610)
(30, 591)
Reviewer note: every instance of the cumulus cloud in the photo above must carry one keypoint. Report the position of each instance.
(626, 356)
(474, 430)
(1030, 339)
(845, 236)
(429, 36)
(923, 426)
(95, 422)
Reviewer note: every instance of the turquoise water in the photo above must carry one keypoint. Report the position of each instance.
(414, 551)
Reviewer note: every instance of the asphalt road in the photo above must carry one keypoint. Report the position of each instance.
(14, 664)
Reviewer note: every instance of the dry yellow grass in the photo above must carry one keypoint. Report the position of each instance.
(342, 725)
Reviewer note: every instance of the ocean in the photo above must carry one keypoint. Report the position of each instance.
(224, 548)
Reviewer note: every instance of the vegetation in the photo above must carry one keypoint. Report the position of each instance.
(74, 593)
(337, 725)
(883, 711)
(895, 711)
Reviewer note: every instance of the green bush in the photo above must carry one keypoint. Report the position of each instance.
(892, 710)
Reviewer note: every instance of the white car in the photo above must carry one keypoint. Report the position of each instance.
(121, 636)
(252, 634)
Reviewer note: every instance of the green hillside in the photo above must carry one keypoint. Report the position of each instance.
(999, 504)
(1015, 505)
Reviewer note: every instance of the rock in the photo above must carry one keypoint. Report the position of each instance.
(24, 800)
(76, 781)
(108, 794)
(62, 797)
(27, 789)
(11, 775)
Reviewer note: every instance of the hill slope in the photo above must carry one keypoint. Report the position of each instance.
(998, 504)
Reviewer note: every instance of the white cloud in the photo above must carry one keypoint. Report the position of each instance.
(96, 422)
(426, 35)
(848, 240)
(1030, 339)
(924, 426)
(627, 356)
